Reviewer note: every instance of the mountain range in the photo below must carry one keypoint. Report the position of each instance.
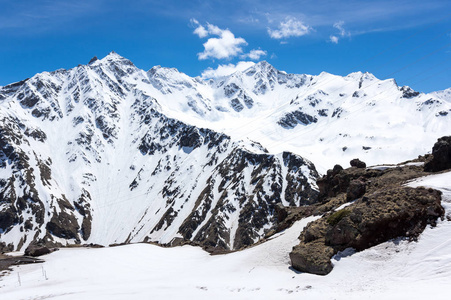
(106, 153)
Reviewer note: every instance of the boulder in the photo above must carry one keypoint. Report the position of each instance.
(441, 156)
(312, 258)
(357, 163)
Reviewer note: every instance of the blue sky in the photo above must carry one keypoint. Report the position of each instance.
(408, 40)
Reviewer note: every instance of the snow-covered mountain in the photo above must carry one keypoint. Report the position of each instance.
(108, 153)
(329, 119)
(88, 156)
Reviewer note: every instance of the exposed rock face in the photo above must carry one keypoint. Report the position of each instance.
(332, 183)
(355, 190)
(408, 92)
(385, 209)
(441, 155)
(292, 119)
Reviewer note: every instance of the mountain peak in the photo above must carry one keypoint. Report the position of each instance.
(112, 57)
(260, 68)
(264, 65)
(115, 63)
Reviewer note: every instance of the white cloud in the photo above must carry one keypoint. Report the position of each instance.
(339, 26)
(288, 28)
(255, 54)
(200, 30)
(225, 46)
(341, 32)
(225, 70)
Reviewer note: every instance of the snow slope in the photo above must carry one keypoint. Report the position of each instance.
(392, 270)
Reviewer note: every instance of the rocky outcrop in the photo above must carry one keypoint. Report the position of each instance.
(292, 119)
(370, 221)
(441, 156)
(36, 250)
(382, 209)
(338, 180)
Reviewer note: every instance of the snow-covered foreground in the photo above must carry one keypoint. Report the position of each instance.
(393, 270)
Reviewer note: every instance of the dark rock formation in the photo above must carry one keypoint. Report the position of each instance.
(63, 225)
(36, 250)
(292, 119)
(408, 92)
(441, 155)
(331, 183)
(338, 180)
(93, 60)
(8, 218)
(357, 163)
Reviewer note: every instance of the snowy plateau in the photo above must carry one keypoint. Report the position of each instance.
(106, 153)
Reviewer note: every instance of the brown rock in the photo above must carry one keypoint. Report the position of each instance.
(356, 189)
(312, 258)
(376, 218)
(357, 163)
(441, 155)
(35, 250)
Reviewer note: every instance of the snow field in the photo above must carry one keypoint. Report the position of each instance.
(392, 270)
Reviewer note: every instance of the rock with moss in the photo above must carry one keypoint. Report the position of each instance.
(385, 210)
(312, 258)
(356, 189)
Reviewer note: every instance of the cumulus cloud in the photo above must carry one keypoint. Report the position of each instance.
(288, 28)
(254, 54)
(341, 32)
(224, 46)
(225, 70)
